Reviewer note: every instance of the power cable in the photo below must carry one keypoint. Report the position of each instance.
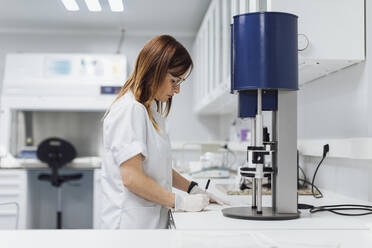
(325, 152)
(344, 207)
(305, 182)
(338, 208)
(303, 173)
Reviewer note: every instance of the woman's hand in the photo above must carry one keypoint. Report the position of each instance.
(212, 197)
(191, 203)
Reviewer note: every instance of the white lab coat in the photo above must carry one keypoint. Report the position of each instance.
(128, 131)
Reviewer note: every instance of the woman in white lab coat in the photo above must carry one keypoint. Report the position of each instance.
(137, 174)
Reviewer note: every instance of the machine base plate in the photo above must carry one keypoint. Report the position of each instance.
(251, 214)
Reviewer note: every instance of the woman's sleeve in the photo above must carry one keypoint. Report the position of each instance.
(126, 133)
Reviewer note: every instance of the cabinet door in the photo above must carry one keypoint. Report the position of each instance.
(13, 199)
(334, 28)
(225, 40)
(212, 55)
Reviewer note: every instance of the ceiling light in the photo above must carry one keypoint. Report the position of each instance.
(70, 5)
(93, 5)
(116, 5)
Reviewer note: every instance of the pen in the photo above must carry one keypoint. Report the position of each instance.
(207, 185)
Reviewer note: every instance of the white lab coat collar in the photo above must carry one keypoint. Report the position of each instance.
(154, 107)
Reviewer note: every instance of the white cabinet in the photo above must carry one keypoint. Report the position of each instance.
(332, 30)
(211, 53)
(13, 189)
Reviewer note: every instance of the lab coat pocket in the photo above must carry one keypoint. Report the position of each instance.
(140, 218)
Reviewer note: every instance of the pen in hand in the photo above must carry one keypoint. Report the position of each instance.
(207, 185)
(214, 199)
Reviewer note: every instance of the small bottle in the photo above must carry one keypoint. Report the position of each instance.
(243, 130)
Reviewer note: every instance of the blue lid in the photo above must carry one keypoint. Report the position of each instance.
(264, 51)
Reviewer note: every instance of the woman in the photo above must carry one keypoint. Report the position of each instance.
(137, 175)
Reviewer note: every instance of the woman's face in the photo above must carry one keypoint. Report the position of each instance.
(169, 87)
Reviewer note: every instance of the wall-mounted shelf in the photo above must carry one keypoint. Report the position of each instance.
(312, 69)
(329, 40)
(195, 145)
(218, 101)
(352, 148)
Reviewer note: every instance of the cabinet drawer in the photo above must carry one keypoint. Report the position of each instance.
(8, 221)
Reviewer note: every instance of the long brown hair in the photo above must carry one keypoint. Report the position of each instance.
(160, 55)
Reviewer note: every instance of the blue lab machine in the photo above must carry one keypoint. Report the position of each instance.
(264, 74)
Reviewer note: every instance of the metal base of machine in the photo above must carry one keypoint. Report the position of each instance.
(249, 213)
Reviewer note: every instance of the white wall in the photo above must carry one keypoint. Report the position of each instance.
(337, 106)
(184, 125)
(349, 177)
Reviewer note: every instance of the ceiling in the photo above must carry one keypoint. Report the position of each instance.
(182, 17)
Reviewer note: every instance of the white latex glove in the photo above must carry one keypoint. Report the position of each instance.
(212, 197)
(191, 203)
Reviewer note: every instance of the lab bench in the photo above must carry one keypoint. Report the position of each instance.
(210, 228)
(322, 226)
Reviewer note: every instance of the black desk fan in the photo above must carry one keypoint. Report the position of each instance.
(57, 153)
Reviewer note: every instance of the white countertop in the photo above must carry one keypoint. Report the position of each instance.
(33, 163)
(177, 238)
(212, 217)
(310, 229)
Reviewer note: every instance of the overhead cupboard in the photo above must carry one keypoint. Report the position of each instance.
(331, 37)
